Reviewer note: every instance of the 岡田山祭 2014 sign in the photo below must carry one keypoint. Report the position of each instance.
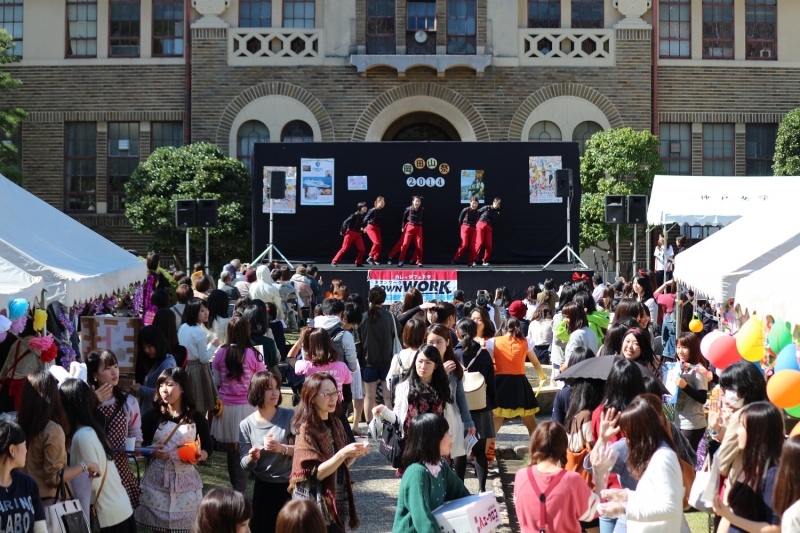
(432, 284)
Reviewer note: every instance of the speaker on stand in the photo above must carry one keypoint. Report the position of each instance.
(564, 189)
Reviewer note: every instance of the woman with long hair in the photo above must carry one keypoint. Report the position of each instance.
(786, 502)
(653, 462)
(561, 402)
(414, 334)
(153, 358)
(44, 421)
(585, 396)
(567, 294)
(439, 336)
(580, 334)
(300, 516)
(483, 321)
(266, 447)
(171, 486)
(223, 511)
(612, 342)
(570, 499)
(413, 307)
(502, 301)
(119, 415)
(217, 323)
(540, 331)
(760, 438)
(627, 307)
(166, 323)
(192, 334)
(693, 385)
(428, 481)
(513, 392)
(636, 347)
(372, 227)
(256, 316)
(644, 294)
(531, 300)
(21, 507)
(88, 442)
(477, 359)
(234, 366)
(322, 454)
(378, 334)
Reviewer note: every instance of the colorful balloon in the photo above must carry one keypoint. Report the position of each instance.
(787, 359)
(794, 411)
(723, 353)
(779, 336)
(750, 340)
(695, 324)
(783, 389)
(705, 344)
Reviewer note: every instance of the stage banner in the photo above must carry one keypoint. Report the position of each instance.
(432, 284)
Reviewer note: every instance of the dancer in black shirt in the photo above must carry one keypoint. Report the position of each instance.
(372, 223)
(468, 220)
(488, 214)
(351, 230)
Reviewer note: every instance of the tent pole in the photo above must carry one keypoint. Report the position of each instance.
(188, 264)
(616, 257)
(633, 263)
(207, 268)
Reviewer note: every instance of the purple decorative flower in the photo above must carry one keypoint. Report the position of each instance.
(65, 321)
(138, 300)
(67, 353)
(18, 325)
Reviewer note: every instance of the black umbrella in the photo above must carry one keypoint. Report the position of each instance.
(600, 368)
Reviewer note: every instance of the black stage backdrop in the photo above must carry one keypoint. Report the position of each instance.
(525, 233)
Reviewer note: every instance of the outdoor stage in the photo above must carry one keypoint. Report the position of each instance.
(517, 278)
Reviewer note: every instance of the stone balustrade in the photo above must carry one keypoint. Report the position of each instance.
(275, 46)
(540, 47)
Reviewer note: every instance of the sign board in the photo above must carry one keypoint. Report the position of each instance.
(115, 334)
(472, 514)
(432, 284)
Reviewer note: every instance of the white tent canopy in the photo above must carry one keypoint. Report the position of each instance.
(16, 283)
(765, 292)
(716, 200)
(75, 263)
(715, 265)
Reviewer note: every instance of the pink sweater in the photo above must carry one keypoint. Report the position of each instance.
(338, 370)
(570, 501)
(234, 392)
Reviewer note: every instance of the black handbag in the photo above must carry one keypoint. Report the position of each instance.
(65, 515)
(395, 379)
(391, 444)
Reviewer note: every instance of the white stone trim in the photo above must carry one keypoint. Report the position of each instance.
(274, 111)
(122, 62)
(566, 112)
(420, 104)
(727, 63)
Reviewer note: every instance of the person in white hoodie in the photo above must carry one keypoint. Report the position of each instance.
(303, 290)
(263, 289)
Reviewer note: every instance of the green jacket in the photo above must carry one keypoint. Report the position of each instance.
(598, 321)
(421, 493)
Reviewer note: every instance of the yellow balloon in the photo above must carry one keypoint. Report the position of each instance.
(750, 340)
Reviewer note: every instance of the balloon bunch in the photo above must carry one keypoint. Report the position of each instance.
(783, 389)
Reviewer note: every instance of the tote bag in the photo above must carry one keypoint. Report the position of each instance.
(474, 388)
(66, 514)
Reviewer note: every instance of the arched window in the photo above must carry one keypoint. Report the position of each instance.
(250, 133)
(583, 132)
(297, 131)
(545, 131)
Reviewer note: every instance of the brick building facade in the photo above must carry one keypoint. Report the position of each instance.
(106, 81)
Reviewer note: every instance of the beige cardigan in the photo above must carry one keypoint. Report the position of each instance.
(47, 455)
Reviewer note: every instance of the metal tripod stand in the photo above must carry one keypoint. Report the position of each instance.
(572, 256)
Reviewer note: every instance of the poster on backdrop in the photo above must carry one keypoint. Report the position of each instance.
(287, 205)
(316, 181)
(472, 185)
(356, 183)
(542, 179)
(432, 284)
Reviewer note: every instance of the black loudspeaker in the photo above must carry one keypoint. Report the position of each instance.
(637, 209)
(615, 209)
(207, 213)
(563, 182)
(185, 213)
(277, 184)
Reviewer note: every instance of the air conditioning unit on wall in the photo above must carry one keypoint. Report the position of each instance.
(766, 53)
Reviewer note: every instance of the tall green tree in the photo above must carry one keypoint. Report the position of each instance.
(787, 146)
(10, 117)
(199, 170)
(616, 161)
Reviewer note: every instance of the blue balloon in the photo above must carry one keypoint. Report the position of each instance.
(787, 359)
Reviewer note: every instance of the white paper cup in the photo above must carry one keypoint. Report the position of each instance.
(364, 441)
(267, 439)
(130, 444)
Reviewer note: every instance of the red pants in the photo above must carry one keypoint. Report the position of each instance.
(374, 234)
(484, 239)
(411, 233)
(467, 243)
(351, 238)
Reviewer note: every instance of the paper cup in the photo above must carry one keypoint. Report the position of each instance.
(267, 439)
(130, 444)
(363, 441)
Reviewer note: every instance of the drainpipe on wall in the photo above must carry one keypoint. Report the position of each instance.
(187, 53)
(656, 45)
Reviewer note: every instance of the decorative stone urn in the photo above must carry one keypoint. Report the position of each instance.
(633, 11)
(210, 9)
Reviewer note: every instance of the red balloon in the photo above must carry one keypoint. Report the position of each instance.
(723, 353)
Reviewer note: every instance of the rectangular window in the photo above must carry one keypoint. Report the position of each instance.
(168, 27)
(676, 148)
(381, 27)
(718, 149)
(544, 13)
(255, 13)
(587, 14)
(124, 23)
(718, 29)
(166, 134)
(11, 21)
(81, 28)
(421, 27)
(298, 13)
(674, 28)
(123, 158)
(80, 159)
(760, 149)
(761, 29)
(462, 23)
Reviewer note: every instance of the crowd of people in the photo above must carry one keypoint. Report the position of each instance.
(445, 375)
